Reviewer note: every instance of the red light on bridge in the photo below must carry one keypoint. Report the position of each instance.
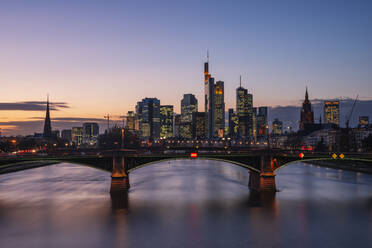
(193, 155)
(301, 155)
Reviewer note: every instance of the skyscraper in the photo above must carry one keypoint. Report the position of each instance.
(209, 100)
(233, 124)
(262, 122)
(254, 123)
(307, 114)
(166, 121)
(149, 115)
(189, 105)
(244, 105)
(177, 125)
(47, 124)
(219, 109)
(139, 108)
(332, 112)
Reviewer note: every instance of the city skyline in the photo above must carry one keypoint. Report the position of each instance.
(92, 77)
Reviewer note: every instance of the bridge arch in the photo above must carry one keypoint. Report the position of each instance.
(249, 167)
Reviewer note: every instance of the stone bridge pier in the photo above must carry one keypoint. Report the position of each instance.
(119, 175)
(264, 181)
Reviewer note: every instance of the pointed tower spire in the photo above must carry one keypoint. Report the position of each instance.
(240, 81)
(47, 124)
(306, 95)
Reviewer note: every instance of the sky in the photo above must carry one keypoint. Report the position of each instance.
(95, 58)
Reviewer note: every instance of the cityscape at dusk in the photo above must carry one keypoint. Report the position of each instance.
(186, 123)
(153, 49)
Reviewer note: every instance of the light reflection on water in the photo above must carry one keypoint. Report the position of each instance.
(198, 203)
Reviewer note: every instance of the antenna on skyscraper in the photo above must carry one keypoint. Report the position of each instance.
(207, 56)
(240, 81)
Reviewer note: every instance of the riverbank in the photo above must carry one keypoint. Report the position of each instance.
(25, 165)
(350, 165)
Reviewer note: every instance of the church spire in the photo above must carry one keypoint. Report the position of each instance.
(47, 124)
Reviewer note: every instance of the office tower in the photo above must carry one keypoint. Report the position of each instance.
(332, 112)
(149, 111)
(277, 127)
(307, 114)
(77, 135)
(47, 124)
(177, 124)
(131, 121)
(233, 124)
(90, 133)
(209, 100)
(363, 121)
(166, 121)
(244, 110)
(189, 105)
(66, 134)
(198, 125)
(219, 109)
(262, 122)
(254, 123)
(139, 107)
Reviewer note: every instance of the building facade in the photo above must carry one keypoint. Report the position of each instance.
(332, 112)
(148, 112)
(209, 104)
(90, 133)
(130, 124)
(219, 109)
(198, 125)
(233, 124)
(189, 105)
(77, 135)
(166, 121)
(277, 128)
(262, 122)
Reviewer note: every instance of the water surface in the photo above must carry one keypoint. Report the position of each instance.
(185, 203)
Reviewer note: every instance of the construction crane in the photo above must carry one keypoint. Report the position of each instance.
(351, 113)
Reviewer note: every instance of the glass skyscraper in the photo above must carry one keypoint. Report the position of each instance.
(148, 112)
(166, 121)
(189, 105)
(244, 110)
(219, 109)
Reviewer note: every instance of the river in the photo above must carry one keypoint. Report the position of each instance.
(185, 203)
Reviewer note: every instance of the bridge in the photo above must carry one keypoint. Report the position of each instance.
(262, 164)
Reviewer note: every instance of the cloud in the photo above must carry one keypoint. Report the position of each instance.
(71, 119)
(32, 106)
(36, 124)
